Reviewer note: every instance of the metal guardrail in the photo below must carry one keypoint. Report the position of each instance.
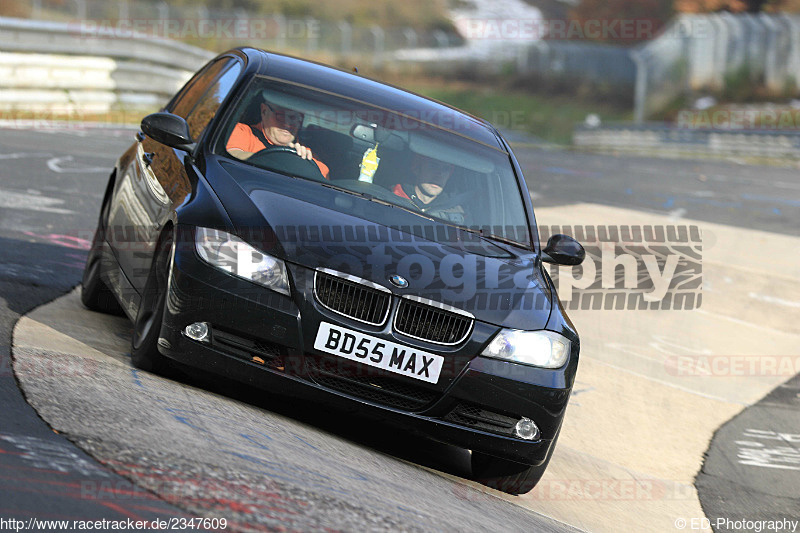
(659, 138)
(61, 67)
(18, 35)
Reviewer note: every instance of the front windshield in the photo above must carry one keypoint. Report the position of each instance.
(385, 156)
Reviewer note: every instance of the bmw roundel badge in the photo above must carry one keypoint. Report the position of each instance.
(398, 281)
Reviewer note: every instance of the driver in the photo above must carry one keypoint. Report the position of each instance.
(427, 192)
(278, 127)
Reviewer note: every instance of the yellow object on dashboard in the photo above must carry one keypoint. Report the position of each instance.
(369, 164)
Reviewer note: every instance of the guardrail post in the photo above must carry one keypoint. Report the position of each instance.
(163, 10)
(411, 37)
(441, 38)
(202, 13)
(346, 37)
(311, 35)
(720, 44)
(81, 6)
(280, 37)
(378, 39)
(122, 7)
(640, 91)
(523, 55)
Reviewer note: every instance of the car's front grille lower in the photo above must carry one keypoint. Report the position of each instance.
(469, 415)
(352, 299)
(382, 390)
(429, 323)
(254, 350)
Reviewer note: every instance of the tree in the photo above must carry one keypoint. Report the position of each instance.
(647, 15)
(736, 6)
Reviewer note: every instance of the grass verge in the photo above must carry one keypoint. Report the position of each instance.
(550, 118)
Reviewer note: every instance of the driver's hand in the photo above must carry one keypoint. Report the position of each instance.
(302, 151)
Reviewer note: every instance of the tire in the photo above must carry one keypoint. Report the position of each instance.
(508, 476)
(147, 326)
(95, 294)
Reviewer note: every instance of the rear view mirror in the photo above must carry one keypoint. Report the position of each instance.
(563, 250)
(168, 129)
(363, 132)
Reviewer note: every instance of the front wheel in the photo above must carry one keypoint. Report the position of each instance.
(95, 294)
(147, 326)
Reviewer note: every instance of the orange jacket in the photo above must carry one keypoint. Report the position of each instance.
(243, 139)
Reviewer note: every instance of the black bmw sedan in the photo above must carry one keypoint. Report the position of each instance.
(318, 234)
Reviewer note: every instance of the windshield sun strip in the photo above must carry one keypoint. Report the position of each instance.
(498, 148)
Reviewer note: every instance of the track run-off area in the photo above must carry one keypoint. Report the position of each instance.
(660, 434)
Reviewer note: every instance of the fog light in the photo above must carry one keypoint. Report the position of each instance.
(526, 429)
(199, 331)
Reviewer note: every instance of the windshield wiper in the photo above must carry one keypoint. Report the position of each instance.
(494, 237)
(480, 233)
(377, 200)
(342, 189)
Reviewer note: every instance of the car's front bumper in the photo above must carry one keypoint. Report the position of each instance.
(266, 340)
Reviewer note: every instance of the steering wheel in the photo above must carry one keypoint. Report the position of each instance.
(286, 159)
(274, 150)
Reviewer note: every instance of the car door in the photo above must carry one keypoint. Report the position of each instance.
(156, 180)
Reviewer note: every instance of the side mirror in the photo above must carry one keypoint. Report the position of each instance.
(168, 129)
(563, 250)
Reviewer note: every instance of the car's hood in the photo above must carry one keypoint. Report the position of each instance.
(496, 284)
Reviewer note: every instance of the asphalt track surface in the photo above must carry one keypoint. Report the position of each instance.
(342, 474)
(42, 474)
(51, 185)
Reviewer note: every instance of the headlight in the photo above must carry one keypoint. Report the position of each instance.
(231, 254)
(544, 349)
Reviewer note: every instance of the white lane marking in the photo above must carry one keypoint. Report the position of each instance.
(22, 155)
(52, 455)
(755, 181)
(785, 185)
(33, 202)
(66, 131)
(755, 453)
(741, 322)
(773, 300)
(750, 270)
(677, 213)
(54, 164)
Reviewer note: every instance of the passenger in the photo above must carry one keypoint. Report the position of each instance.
(427, 191)
(278, 127)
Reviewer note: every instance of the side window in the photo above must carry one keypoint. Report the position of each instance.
(196, 87)
(205, 109)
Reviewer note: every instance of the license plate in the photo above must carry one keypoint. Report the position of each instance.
(380, 353)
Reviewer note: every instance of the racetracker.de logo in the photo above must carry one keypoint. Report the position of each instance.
(733, 365)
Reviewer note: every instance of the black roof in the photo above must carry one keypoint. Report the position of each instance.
(372, 92)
